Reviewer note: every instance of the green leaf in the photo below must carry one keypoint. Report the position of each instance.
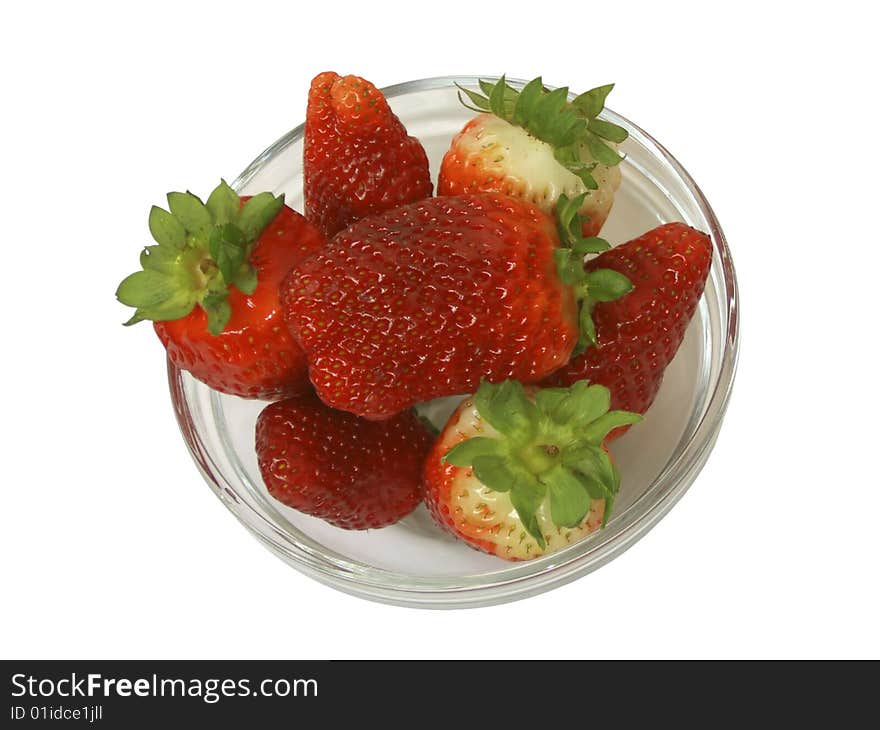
(138, 316)
(190, 211)
(526, 503)
(586, 326)
(607, 130)
(480, 102)
(216, 306)
(562, 256)
(495, 472)
(228, 248)
(595, 488)
(507, 409)
(583, 172)
(223, 203)
(607, 285)
(179, 305)
(569, 498)
(166, 229)
(570, 268)
(487, 87)
(246, 279)
(496, 97)
(567, 210)
(596, 472)
(602, 152)
(464, 452)
(602, 426)
(571, 129)
(504, 95)
(161, 258)
(569, 223)
(593, 463)
(591, 244)
(144, 289)
(609, 508)
(610, 474)
(582, 455)
(546, 110)
(548, 398)
(257, 213)
(583, 405)
(525, 103)
(592, 102)
(567, 219)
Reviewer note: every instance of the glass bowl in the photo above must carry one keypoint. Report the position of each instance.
(413, 563)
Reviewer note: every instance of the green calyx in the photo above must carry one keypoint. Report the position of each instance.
(601, 285)
(549, 447)
(567, 126)
(202, 249)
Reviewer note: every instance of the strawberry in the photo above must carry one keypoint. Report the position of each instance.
(638, 335)
(353, 473)
(211, 288)
(424, 300)
(520, 472)
(536, 145)
(357, 157)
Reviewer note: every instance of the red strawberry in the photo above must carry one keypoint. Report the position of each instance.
(520, 473)
(638, 335)
(211, 287)
(353, 473)
(358, 158)
(424, 300)
(536, 145)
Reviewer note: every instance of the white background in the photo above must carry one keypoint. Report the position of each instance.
(111, 545)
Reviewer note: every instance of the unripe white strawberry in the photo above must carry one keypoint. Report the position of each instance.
(520, 473)
(535, 145)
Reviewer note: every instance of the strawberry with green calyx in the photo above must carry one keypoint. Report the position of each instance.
(210, 285)
(521, 472)
(535, 144)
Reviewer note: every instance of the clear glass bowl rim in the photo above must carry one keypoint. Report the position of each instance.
(517, 580)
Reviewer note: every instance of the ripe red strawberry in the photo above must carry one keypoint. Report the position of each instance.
(638, 335)
(424, 300)
(353, 473)
(357, 157)
(520, 473)
(211, 287)
(536, 145)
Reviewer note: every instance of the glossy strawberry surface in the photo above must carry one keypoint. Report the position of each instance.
(353, 473)
(639, 334)
(254, 356)
(425, 300)
(358, 159)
